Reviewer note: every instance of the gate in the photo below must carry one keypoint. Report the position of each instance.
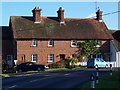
(117, 59)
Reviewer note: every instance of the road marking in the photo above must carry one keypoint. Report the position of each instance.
(40, 79)
(67, 74)
(10, 87)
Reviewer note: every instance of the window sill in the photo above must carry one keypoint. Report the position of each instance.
(50, 61)
(33, 45)
(74, 46)
(50, 46)
(33, 61)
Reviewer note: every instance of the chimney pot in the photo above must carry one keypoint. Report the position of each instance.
(37, 14)
(61, 15)
(99, 15)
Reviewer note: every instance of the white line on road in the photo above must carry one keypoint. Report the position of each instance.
(40, 79)
(67, 74)
(10, 87)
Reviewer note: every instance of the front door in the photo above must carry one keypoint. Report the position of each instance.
(10, 60)
(62, 56)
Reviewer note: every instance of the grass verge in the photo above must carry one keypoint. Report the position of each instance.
(4, 75)
(106, 82)
(63, 69)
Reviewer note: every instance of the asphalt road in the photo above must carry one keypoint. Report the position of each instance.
(52, 79)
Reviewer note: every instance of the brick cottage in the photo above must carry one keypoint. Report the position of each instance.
(45, 40)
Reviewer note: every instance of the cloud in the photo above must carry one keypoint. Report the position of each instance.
(92, 15)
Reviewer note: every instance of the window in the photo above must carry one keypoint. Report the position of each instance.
(62, 56)
(34, 57)
(99, 43)
(50, 57)
(74, 55)
(73, 43)
(50, 43)
(34, 43)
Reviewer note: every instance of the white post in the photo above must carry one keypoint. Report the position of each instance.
(97, 77)
(92, 83)
(110, 69)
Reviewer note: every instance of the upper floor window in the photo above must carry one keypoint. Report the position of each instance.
(34, 43)
(50, 57)
(99, 43)
(73, 43)
(34, 57)
(50, 43)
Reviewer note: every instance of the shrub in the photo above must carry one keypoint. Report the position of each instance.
(71, 62)
(60, 64)
(68, 63)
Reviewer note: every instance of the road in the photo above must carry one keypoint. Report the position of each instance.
(51, 79)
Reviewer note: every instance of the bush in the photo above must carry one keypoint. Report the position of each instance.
(71, 62)
(6, 68)
(60, 64)
(68, 63)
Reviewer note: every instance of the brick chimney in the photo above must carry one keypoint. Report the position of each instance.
(99, 15)
(61, 15)
(37, 14)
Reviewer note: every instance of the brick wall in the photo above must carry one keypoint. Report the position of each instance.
(25, 50)
(7, 48)
(43, 50)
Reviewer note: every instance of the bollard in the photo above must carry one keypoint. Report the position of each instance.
(110, 69)
(96, 66)
(92, 84)
(97, 76)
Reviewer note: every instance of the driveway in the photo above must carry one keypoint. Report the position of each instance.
(52, 79)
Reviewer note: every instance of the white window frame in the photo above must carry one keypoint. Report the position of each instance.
(73, 42)
(10, 60)
(50, 57)
(34, 56)
(51, 43)
(34, 43)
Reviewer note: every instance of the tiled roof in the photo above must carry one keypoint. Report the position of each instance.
(50, 28)
(116, 36)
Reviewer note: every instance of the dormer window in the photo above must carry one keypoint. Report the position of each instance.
(73, 43)
(50, 43)
(34, 43)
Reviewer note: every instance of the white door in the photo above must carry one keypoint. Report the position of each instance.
(10, 60)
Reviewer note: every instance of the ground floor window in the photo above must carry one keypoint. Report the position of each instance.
(51, 58)
(62, 56)
(96, 56)
(34, 57)
(74, 55)
(10, 60)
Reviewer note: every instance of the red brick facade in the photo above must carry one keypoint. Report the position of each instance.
(43, 50)
(25, 50)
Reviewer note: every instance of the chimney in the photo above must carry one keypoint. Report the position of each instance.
(61, 15)
(99, 15)
(37, 14)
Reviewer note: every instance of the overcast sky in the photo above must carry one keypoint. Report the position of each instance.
(72, 9)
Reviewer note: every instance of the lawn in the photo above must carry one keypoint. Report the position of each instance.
(106, 82)
(63, 69)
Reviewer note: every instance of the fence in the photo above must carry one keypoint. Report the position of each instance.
(82, 63)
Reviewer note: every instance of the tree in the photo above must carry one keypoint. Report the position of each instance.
(88, 47)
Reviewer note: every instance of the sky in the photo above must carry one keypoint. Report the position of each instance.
(72, 9)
